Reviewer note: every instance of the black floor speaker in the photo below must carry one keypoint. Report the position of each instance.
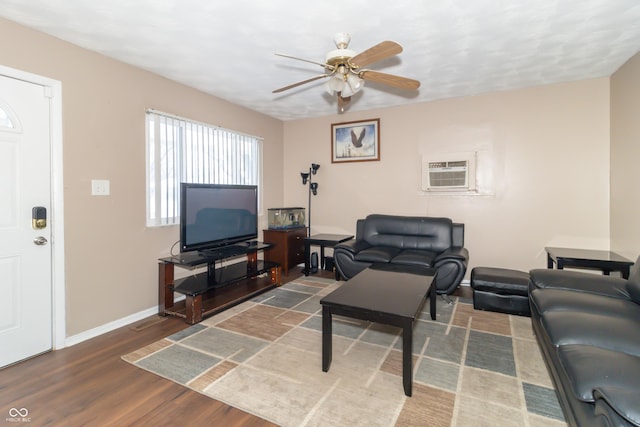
(328, 263)
(314, 262)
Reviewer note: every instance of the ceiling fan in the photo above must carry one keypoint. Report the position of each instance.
(344, 69)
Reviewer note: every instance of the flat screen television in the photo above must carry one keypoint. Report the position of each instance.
(216, 215)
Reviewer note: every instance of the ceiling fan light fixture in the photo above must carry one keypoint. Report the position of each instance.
(347, 91)
(335, 84)
(355, 82)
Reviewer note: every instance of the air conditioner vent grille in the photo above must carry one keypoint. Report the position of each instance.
(453, 175)
(448, 179)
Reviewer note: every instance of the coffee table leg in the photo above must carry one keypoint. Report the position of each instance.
(326, 338)
(407, 356)
(432, 301)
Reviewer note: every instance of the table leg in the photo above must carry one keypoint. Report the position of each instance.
(625, 272)
(307, 258)
(432, 300)
(252, 263)
(326, 338)
(321, 257)
(276, 275)
(194, 309)
(165, 280)
(407, 356)
(549, 261)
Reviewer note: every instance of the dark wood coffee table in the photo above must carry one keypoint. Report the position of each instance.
(382, 294)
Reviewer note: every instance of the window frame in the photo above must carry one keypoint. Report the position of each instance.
(178, 148)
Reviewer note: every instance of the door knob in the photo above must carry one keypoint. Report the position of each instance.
(40, 241)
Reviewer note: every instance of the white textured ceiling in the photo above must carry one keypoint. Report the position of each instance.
(454, 47)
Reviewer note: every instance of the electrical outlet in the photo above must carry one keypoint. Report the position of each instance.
(100, 187)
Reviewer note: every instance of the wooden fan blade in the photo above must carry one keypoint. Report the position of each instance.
(305, 60)
(282, 89)
(389, 79)
(376, 53)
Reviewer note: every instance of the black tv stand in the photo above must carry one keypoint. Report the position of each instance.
(207, 293)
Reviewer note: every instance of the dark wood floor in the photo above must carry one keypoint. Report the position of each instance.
(89, 384)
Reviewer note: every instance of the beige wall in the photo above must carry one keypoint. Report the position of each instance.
(544, 165)
(625, 155)
(546, 150)
(111, 257)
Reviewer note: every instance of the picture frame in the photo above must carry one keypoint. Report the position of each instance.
(357, 141)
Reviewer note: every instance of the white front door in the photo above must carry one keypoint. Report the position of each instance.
(25, 249)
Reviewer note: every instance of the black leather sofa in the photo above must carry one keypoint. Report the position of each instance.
(588, 329)
(406, 240)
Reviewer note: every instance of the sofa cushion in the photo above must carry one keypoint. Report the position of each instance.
(500, 281)
(377, 254)
(405, 232)
(589, 367)
(609, 332)
(414, 257)
(564, 300)
(625, 402)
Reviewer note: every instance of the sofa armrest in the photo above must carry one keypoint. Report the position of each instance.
(353, 246)
(457, 234)
(360, 229)
(453, 253)
(451, 266)
(579, 281)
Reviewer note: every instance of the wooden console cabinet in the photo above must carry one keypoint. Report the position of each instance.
(288, 249)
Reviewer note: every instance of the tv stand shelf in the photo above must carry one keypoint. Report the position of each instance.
(216, 289)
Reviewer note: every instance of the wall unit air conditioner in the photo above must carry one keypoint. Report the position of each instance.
(449, 175)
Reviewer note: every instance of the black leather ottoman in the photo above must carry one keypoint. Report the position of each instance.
(501, 290)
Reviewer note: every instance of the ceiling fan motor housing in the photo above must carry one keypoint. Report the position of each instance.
(339, 56)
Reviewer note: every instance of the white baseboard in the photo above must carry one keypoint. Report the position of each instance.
(465, 282)
(108, 327)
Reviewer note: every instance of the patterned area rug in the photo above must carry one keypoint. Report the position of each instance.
(471, 368)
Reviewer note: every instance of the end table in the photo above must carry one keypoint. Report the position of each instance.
(321, 240)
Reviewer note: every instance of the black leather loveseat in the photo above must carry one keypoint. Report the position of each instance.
(588, 328)
(405, 240)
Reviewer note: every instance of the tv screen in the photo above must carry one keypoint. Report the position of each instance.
(214, 215)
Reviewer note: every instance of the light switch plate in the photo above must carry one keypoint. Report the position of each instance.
(100, 187)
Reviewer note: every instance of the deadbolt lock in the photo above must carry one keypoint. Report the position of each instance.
(38, 217)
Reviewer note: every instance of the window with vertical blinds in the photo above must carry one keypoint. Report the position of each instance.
(181, 150)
